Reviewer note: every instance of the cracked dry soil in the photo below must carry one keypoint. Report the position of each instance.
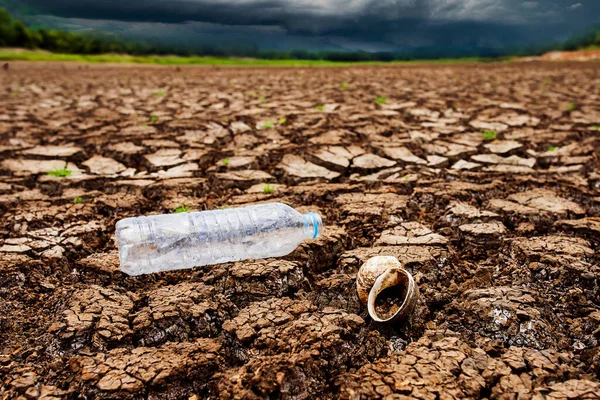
(483, 180)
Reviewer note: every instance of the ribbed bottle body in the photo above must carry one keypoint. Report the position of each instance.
(185, 240)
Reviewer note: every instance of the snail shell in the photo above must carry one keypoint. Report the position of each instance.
(381, 273)
(370, 271)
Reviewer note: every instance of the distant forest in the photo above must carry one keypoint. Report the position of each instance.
(13, 33)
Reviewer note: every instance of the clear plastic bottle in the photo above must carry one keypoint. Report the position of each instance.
(185, 240)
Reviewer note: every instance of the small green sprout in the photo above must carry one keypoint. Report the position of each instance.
(380, 100)
(544, 87)
(320, 108)
(552, 148)
(268, 188)
(282, 121)
(597, 127)
(267, 125)
(159, 94)
(570, 106)
(181, 209)
(77, 200)
(489, 135)
(60, 172)
(154, 118)
(225, 162)
(345, 85)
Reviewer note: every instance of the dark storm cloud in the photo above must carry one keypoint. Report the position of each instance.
(388, 24)
(311, 16)
(318, 16)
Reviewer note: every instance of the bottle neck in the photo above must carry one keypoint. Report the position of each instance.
(313, 225)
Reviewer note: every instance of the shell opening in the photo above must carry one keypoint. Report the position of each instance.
(389, 301)
(392, 296)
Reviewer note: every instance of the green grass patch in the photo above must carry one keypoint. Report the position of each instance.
(267, 125)
(380, 100)
(489, 135)
(552, 148)
(226, 162)
(154, 118)
(268, 188)
(77, 200)
(21, 55)
(570, 106)
(60, 172)
(282, 121)
(320, 108)
(181, 209)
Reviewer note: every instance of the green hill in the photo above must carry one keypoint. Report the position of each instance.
(587, 39)
(13, 33)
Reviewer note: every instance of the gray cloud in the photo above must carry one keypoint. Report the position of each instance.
(530, 4)
(309, 15)
(297, 13)
(352, 24)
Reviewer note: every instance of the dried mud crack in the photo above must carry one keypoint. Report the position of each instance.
(478, 178)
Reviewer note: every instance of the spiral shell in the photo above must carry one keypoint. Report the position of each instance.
(385, 273)
(370, 271)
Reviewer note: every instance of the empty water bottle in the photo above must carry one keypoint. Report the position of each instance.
(175, 241)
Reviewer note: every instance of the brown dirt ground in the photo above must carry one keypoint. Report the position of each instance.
(576, 55)
(501, 234)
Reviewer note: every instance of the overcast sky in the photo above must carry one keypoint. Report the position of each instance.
(353, 24)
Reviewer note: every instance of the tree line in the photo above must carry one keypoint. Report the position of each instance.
(13, 33)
